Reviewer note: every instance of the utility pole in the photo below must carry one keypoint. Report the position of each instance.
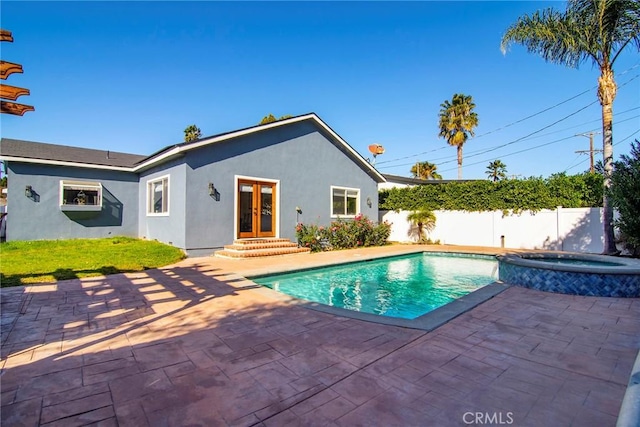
(590, 150)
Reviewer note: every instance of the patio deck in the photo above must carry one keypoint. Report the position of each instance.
(197, 344)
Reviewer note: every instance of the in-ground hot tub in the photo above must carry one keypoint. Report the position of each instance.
(574, 274)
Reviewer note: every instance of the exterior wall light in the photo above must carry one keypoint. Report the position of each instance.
(213, 192)
(28, 191)
(369, 201)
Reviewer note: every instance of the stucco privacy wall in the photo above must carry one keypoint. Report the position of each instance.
(575, 229)
(303, 161)
(40, 217)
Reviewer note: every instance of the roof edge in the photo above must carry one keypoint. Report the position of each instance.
(175, 150)
(65, 163)
(178, 149)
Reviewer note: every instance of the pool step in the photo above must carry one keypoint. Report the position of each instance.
(252, 248)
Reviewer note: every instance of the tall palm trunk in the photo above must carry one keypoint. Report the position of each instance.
(606, 94)
(459, 161)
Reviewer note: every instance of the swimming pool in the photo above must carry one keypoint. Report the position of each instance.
(404, 287)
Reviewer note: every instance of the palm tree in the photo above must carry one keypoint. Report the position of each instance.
(191, 133)
(598, 30)
(496, 170)
(425, 170)
(457, 121)
(423, 219)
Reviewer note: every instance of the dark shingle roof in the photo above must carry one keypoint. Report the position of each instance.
(42, 151)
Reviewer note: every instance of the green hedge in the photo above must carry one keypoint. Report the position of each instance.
(512, 195)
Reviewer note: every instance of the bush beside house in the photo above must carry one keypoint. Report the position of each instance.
(343, 234)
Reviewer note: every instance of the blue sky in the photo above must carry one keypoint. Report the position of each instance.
(130, 76)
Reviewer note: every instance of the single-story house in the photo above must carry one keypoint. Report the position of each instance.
(257, 182)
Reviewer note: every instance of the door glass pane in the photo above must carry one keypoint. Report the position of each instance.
(266, 208)
(246, 208)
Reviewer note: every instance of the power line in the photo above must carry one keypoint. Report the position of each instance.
(530, 138)
(510, 124)
(535, 114)
(624, 139)
(590, 150)
(541, 129)
(589, 122)
(560, 103)
(518, 139)
(572, 164)
(515, 152)
(498, 129)
(538, 146)
(552, 133)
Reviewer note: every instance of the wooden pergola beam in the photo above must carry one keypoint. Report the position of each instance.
(12, 92)
(6, 36)
(14, 108)
(8, 68)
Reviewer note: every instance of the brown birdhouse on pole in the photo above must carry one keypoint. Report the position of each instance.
(11, 92)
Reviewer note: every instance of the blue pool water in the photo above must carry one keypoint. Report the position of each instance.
(571, 261)
(405, 287)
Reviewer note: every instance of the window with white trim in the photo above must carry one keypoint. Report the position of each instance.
(158, 196)
(80, 195)
(345, 202)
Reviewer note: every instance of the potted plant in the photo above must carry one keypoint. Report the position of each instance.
(81, 198)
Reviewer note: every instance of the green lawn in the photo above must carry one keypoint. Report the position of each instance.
(52, 260)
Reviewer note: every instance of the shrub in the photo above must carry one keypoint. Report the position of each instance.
(424, 220)
(310, 236)
(625, 196)
(343, 234)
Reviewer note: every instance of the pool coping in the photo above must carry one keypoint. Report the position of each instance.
(426, 322)
(536, 260)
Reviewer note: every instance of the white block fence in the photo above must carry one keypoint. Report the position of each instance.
(574, 230)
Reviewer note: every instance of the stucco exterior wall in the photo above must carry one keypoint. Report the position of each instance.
(40, 217)
(300, 157)
(168, 228)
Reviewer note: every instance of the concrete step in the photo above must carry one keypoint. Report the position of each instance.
(253, 253)
(251, 248)
(248, 246)
(263, 240)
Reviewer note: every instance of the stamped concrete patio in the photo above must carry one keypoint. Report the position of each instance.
(197, 344)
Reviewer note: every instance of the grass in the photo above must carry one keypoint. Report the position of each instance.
(38, 261)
